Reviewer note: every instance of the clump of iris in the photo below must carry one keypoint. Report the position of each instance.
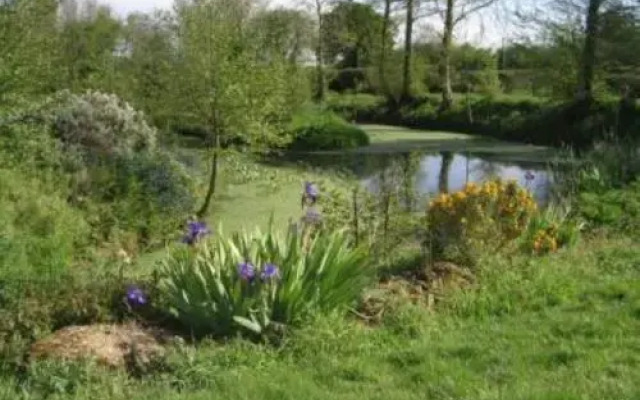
(195, 232)
(136, 296)
(247, 272)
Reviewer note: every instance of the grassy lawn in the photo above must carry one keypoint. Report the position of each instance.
(559, 327)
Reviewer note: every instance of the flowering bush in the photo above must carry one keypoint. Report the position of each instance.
(257, 282)
(477, 217)
(104, 124)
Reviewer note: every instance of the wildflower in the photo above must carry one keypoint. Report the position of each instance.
(270, 271)
(135, 296)
(247, 271)
(195, 232)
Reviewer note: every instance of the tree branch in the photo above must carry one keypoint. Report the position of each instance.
(463, 15)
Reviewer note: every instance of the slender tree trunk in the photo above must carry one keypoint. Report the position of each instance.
(408, 48)
(585, 91)
(319, 93)
(445, 58)
(383, 47)
(213, 177)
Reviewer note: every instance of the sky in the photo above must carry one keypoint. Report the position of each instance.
(480, 29)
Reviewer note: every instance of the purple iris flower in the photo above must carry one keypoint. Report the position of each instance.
(195, 232)
(311, 191)
(247, 271)
(135, 296)
(270, 271)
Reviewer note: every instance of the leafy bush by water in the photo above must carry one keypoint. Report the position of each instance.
(257, 282)
(324, 130)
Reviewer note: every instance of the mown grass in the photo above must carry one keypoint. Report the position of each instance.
(557, 327)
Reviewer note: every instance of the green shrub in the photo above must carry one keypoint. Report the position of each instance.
(147, 194)
(104, 124)
(257, 282)
(618, 209)
(324, 130)
(39, 232)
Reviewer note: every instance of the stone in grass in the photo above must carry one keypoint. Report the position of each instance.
(115, 346)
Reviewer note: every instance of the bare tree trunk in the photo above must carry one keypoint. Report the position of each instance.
(319, 94)
(445, 59)
(408, 48)
(383, 47)
(585, 91)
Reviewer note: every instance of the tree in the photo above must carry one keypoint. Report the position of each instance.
(351, 40)
(285, 33)
(147, 61)
(578, 27)
(28, 47)
(89, 39)
(587, 70)
(351, 34)
(454, 12)
(319, 9)
(224, 82)
(408, 47)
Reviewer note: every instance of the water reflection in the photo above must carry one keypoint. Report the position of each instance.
(434, 173)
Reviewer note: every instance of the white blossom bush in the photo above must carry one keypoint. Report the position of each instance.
(103, 123)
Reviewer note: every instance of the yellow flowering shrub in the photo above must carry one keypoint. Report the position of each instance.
(478, 217)
(545, 240)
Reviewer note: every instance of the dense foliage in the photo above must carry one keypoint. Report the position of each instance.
(324, 130)
(521, 119)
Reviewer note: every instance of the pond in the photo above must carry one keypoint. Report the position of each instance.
(434, 173)
(440, 163)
